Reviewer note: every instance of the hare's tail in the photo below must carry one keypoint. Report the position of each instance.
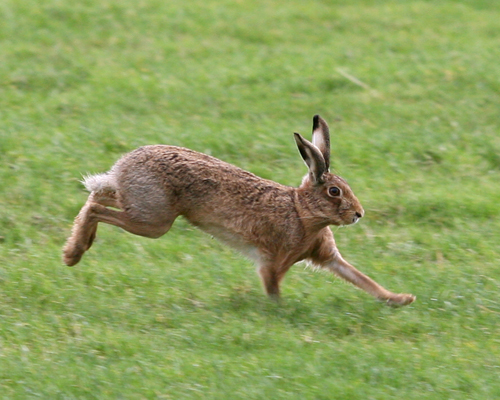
(100, 183)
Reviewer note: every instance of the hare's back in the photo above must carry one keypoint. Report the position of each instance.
(186, 174)
(177, 164)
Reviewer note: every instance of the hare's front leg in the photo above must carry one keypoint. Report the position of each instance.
(272, 274)
(327, 256)
(342, 268)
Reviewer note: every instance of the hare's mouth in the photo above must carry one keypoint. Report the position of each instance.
(352, 221)
(357, 217)
(350, 217)
(349, 222)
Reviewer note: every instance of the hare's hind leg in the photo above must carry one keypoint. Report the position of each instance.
(95, 211)
(82, 234)
(108, 200)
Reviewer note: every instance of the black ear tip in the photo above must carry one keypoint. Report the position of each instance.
(316, 120)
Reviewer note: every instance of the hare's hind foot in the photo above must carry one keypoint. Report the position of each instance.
(401, 299)
(82, 236)
(73, 250)
(72, 254)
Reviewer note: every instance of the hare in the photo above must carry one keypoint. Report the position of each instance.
(275, 225)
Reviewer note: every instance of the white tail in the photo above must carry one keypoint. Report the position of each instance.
(100, 183)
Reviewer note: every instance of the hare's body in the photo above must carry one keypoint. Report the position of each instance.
(273, 224)
(165, 181)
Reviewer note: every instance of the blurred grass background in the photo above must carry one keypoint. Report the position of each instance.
(411, 93)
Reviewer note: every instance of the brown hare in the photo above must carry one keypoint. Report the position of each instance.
(275, 225)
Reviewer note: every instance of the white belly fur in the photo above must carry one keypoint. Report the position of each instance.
(234, 240)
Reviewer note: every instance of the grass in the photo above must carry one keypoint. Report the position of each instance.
(411, 92)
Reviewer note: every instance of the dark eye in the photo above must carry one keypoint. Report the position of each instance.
(334, 191)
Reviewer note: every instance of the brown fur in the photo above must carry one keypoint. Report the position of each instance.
(273, 224)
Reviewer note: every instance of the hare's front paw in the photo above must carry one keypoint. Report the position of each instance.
(401, 299)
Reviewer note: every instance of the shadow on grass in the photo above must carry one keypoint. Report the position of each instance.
(340, 317)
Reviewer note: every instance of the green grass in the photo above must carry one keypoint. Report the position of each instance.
(184, 317)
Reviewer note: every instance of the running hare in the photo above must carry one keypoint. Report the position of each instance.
(275, 225)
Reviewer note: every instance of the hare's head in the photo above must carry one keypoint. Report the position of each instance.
(330, 197)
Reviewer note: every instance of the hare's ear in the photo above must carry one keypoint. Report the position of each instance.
(321, 138)
(312, 157)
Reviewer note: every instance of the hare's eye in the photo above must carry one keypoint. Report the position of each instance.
(334, 191)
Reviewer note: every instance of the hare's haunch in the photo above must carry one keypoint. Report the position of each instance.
(275, 225)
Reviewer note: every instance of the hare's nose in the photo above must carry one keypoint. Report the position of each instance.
(360, 214)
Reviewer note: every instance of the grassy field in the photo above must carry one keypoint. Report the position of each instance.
(411, 91)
